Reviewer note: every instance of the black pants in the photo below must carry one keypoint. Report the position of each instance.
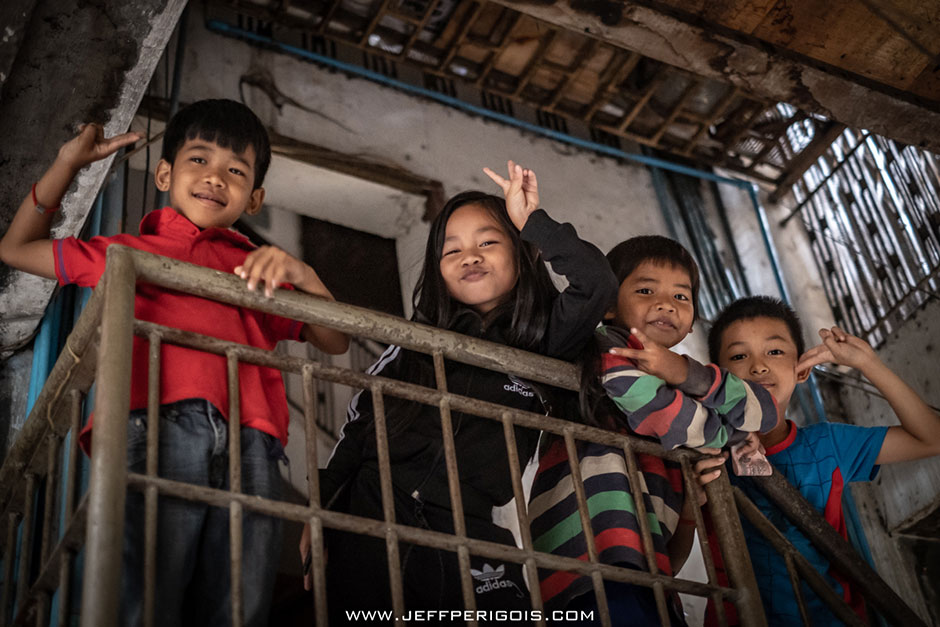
(357, 566)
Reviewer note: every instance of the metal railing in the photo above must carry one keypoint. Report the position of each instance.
(99, 350)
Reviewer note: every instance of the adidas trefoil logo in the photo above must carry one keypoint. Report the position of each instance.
(492, 579)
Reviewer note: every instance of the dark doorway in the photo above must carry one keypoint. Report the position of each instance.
(358, 268)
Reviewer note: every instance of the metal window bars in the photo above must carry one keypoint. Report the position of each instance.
(93, 525)
(871, 208)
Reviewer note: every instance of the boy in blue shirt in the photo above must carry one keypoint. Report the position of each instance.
(759, 339)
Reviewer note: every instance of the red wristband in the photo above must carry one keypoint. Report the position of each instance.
(39, 207)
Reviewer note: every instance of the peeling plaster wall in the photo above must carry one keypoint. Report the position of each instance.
(62, 62)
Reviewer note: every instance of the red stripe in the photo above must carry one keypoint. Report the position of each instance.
(558, 581)
(658, 422)
(716, 380)
(557, 453)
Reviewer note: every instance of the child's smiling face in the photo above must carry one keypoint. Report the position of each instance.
(656, 299)
(762, 350)
(212, 186)
(477, 261)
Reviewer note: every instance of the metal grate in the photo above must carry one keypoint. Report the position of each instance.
(871, 211)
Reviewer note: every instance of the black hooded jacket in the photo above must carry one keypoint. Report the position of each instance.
(415, 440)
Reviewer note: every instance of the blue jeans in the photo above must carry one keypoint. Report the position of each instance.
(193, 578)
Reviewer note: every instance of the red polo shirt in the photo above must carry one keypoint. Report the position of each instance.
(184, 372)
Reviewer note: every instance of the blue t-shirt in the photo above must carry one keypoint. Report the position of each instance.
(818, 460)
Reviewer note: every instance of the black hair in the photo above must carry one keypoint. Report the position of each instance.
(227, 123)
(749, 308)
(626, 256)
(530, 301)
(596, 408)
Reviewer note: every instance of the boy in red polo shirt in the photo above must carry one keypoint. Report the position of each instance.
(215, 156)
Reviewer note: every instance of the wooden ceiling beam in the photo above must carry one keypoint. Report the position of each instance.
(716, 113)
(759, 69)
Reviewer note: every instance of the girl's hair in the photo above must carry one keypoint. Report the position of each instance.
(530, 300)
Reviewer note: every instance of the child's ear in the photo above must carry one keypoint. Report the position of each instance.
(255, 201)
(610, 314)
(803, 375)
(162, 175)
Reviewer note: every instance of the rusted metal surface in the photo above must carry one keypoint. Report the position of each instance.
(734, 551)
(106, 483)
(70, 380)
(828, 541)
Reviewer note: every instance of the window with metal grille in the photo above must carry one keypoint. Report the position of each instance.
(871, 208)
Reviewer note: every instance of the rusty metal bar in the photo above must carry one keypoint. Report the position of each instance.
(106, 486)
(153, 465)
(836, 550)
(453, 486)
(413, 535)
(525, 532)
(385, 328)
(318, 558)
(9, 556)
(51, 408)
(388, 504)
(646, 537)
(734, 551)
(596, 578)
(26, 543)
(50, 573)
(819, 585)
(328, 16)
(691, 490)
(235, 485)
(795, 584)
(71, 486)
(52, 491)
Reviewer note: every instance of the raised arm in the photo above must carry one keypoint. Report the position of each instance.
(26, 245)
(918, 436)
(706, 409)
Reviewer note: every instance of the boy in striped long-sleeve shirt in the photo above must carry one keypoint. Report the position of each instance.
(635, 384)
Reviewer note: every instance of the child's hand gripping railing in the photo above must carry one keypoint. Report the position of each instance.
(35, 456)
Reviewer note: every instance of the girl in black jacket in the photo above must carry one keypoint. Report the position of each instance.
(483, 276)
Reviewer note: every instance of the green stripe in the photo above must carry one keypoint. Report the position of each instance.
(640, 393)
(601, 502)
(735, 391)
(720, 439)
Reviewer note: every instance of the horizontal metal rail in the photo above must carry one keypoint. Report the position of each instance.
(57, 414)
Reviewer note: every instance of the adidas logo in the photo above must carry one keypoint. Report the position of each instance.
(491, 579)
(519, 388)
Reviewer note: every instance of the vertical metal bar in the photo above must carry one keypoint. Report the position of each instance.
(453, 485)
(318, 560)
(522, 515)
(108, 477)
(26, 542)
(49, 508)
(71, 484)
(42, 609)
(388, 504)
(583, 511)
(797, 593)
(235, 485)
(637, 482)
(734, 551)
(691, 489)
(9, 556)
(150, 492)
